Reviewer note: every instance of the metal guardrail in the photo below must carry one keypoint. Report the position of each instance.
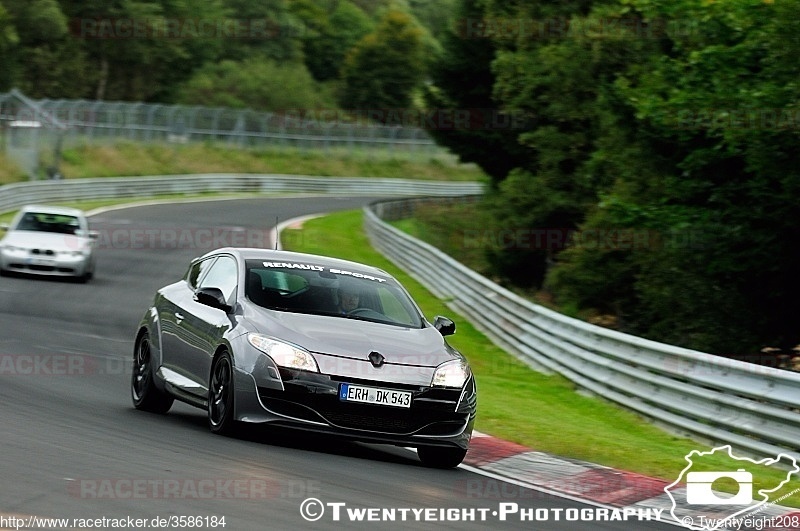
(13, 196)
(753, 407)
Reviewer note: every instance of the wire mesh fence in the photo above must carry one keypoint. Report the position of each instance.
(31, 136)
(36, 130)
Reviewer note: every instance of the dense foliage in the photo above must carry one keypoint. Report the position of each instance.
(664, 147)
(265, 54)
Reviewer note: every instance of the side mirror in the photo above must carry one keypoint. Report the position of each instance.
(445, 326)
(4, 226)
(212, 297)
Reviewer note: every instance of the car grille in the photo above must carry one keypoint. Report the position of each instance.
(41, 267)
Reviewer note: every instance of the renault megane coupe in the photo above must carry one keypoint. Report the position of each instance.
(305, 342)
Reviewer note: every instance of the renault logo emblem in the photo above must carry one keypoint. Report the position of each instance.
(376, 359)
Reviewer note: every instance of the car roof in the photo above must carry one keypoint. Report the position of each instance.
(249, 253)
(56, 210)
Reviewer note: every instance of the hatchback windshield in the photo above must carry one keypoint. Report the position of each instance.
(45, 222)
(324, 290)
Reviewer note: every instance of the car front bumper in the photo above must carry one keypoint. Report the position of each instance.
(310, 401)
(59, 264)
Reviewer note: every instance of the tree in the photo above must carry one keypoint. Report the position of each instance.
(707, 170)
(131, 45)
(268, 29)
(47, 62)
(663, 143)
(561, 80)
(384, 68)
(436, 16)
(202, 28)
(373, 8)
(463, 80)
(8, 43)
(255, 83)
(336, 35)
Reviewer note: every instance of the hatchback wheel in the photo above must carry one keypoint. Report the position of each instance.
(146, 396)
(220, 396)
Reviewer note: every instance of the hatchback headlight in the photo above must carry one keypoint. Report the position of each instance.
(284, 354)
(451, 374)
(76, 254)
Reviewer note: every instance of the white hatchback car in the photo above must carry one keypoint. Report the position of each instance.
(47, 240)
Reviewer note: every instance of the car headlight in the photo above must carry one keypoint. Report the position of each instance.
(284, 354)
(81, 252)
(451, 374)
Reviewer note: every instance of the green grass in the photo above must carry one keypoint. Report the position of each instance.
(129, 158)
(543, 412)
(9, 171)
(456, 229)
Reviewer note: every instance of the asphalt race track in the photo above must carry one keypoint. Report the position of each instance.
(74, 447)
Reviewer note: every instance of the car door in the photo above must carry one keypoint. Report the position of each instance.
(178, 340)
(204, 326)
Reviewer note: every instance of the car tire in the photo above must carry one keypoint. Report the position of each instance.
(221, 395)
(144, 393)
(441, 457)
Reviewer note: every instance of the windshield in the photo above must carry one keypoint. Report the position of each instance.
(44, 222)
(323, 290)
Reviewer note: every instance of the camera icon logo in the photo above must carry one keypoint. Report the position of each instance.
(698, 488)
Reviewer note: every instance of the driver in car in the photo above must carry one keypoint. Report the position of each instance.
(348, 300)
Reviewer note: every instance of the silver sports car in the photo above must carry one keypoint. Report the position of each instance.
(307, 342)
(48, 240)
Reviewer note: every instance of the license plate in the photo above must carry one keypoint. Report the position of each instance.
(41, 262)
(374, 395)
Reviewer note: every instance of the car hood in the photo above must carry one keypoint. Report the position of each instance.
(45, 240)
(356, 339)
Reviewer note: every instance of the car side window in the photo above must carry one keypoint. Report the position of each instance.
(197, 270)
(222, 275)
